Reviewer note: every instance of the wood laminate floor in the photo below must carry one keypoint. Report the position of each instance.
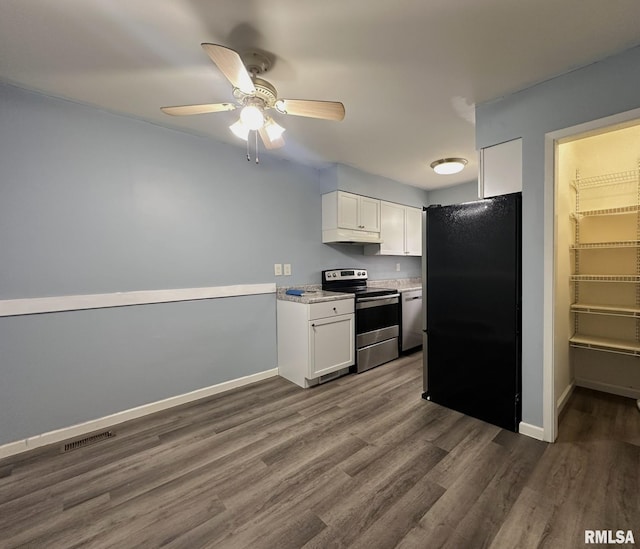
(361, 461)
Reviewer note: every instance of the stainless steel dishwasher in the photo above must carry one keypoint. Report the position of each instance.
(411, 319)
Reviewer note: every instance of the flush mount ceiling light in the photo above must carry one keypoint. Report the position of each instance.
(447, 166)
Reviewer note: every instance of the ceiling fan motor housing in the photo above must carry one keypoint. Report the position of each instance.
(265, 92)
(256, 62)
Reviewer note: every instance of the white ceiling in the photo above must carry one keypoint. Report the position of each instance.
(407, 71)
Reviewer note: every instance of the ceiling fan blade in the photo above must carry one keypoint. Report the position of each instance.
(327, 110)
(185, 110)
(230, 64)
(268, 142)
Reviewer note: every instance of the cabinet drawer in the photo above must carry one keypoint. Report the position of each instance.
(330, 308)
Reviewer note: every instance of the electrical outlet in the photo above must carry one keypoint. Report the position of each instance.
(277, 269)
(397, 266)
(287, 269)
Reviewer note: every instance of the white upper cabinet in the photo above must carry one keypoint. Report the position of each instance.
(400, 231)
(500, 169)
(357, 212)
(348, 217)
(369, 214)
(392, 228)
(348, 210)
(413, 231)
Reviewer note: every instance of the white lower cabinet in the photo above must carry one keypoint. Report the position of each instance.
(315, 339)
(331, 345)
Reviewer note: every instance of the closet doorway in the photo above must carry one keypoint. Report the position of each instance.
(596, 299)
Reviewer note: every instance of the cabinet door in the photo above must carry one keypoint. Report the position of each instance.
(331, 345)
(369, 214)
(348, 210)
(391, 228)
(501, 169)
(413, 231)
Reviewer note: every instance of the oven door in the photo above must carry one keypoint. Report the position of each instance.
(377, 319)
(377, 330)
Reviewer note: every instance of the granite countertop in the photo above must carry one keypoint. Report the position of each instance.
(410, 288)
(400, 284)
(313, 293)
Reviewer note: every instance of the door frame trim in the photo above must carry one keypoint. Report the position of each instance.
(552, 139)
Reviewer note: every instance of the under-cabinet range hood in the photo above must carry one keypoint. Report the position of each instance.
(350, 236)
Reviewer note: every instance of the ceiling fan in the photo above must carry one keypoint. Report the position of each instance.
(255, 97)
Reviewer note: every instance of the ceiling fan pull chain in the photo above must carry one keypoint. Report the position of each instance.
(248, 155)
(257, 159)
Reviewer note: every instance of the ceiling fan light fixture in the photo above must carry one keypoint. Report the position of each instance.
(273, 129)
(252, 117)
(240, 130)
(448, 166)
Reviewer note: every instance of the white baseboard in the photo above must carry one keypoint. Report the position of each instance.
(629, 392)
(532, 431)
(564, 398)
(75, 431)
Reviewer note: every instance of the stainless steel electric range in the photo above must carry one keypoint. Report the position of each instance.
(377, 316)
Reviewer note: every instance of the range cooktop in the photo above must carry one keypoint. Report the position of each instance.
(352, 281)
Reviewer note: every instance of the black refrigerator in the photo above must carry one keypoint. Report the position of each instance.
(472, 278)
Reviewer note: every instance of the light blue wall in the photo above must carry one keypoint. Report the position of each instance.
(457, 194)
(596, 91)
(354, 181)
(61, 369)
(346, 178)
(93, 202)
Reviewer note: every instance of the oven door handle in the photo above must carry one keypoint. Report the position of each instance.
(377, 298)
(383, 299)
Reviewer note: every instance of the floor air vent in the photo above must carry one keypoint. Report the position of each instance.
(88, 440)
(332, 375)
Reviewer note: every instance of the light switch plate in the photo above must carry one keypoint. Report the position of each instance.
(287, 269)
(397, 266)
(277, 269)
